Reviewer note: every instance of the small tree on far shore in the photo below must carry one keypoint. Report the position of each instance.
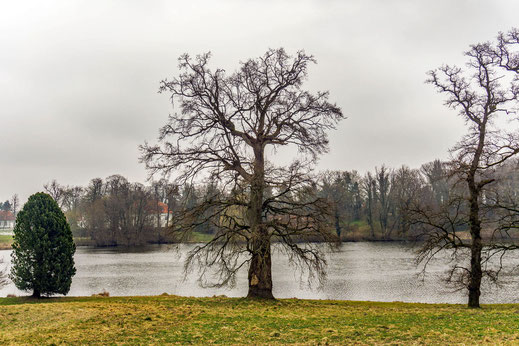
(43, 248)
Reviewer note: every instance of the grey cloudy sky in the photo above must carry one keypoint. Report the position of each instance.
(79, 79)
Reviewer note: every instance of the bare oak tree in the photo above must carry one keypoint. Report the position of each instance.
(223, 132)
(482, 95)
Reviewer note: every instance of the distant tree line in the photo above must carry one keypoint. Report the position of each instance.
(379, 205)
(383, 204)
(116, 212)
(113, 211)
(373, 206)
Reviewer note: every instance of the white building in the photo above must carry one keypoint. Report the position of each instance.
(7, 219)
(165, 215)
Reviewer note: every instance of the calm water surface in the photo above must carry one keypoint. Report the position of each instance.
(358, 271)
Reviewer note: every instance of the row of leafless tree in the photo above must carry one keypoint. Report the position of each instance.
(370, 207)
(374, 206)
(384, 202)
(115, 211)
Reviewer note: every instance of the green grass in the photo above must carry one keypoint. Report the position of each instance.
(172, 319)
(359, 223)
(6, 238)
(5, 241)
(197, 237)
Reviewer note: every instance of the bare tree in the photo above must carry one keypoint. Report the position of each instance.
(223, 131)
(15, 204)
(71, 197)
(342, 191)
(172, 198)
(383, 185)
(481, 98)
(370, 190)
(379, 204)
(137, 215)
(436, 175)
(507, 50)
(406, 188)
(56, 191)
(93, 207)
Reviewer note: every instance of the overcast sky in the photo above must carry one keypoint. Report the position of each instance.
(79, 79)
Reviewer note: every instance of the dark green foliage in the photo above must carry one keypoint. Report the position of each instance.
(43, 248)
(5, 206)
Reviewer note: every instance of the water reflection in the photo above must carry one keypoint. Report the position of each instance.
(358, 271)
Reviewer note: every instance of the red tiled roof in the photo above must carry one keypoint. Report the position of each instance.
(6, 215)
(163, 208)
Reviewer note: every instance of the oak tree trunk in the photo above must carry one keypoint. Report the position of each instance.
(475, 273)
(475, 247)
(260, 270)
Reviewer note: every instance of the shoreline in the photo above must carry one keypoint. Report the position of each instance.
(13, 299)
(82, 243)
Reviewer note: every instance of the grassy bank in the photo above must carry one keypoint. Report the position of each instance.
(5, 241)
(171, 319)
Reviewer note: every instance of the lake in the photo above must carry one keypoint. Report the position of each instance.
(358, 271)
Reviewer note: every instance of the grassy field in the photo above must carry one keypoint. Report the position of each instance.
(5, 241)
(171, 319)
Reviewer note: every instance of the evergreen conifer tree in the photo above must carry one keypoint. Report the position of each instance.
(43, 248)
